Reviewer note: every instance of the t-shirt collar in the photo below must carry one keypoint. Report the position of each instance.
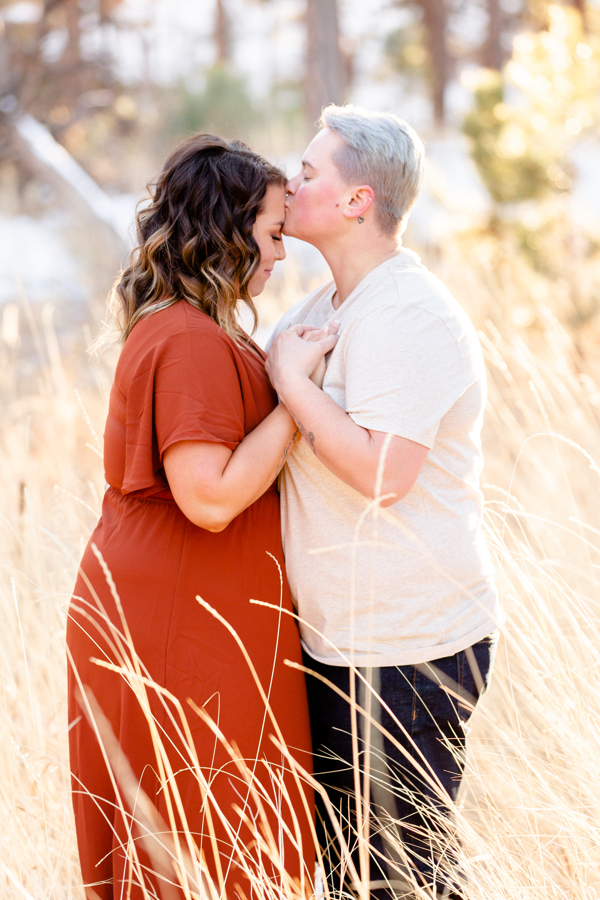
(404, 255)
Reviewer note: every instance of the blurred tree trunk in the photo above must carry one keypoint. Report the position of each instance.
(39, 83)
(580, 7)
(435, 18)
(49, 88)
(72, 55)
(493, 56)
(324, 63)
(222, 34)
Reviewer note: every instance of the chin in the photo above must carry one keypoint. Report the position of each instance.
(297, 234)
(296, 230)
(257, 288)
(289, 228)
(301, 235)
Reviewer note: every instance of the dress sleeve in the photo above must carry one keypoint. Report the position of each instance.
(197, 392)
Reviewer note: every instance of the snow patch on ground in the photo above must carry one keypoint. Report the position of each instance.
(34, 255)
(36, 252)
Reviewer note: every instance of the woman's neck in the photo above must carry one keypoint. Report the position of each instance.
(352, 261)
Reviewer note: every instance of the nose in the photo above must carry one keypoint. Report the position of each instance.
(281, 254)
(292, 184)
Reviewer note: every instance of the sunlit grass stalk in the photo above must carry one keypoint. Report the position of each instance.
(529, 815)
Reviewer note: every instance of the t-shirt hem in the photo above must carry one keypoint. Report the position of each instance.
(387, 428)
(407, 657)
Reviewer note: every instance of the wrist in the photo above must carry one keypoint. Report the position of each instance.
(289, 384)
(284, 414)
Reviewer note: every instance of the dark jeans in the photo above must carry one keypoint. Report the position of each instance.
(410, 838)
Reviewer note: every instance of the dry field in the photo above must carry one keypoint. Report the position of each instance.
(530, 810)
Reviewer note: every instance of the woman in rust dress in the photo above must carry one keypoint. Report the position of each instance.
(185, 724)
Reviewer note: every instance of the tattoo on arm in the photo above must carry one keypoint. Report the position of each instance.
(307, 435)
(285, 453)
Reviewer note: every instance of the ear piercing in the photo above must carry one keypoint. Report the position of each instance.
(361, 219)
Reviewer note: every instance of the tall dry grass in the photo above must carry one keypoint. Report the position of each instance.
(529, 811)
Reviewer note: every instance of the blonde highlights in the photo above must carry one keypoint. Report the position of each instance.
(194, 236)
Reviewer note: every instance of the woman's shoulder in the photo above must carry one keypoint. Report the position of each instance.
(178, 318)
(175, 339)
(172, 328)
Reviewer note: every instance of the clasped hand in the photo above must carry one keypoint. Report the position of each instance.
(299, 352)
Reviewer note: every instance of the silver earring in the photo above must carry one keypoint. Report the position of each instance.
(360, 220)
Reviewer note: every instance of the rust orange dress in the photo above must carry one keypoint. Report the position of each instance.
(174, 739)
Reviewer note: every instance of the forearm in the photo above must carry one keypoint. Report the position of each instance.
(249, 472)
(212, 485)
(347, 450)
(258, 460)
(373, 462)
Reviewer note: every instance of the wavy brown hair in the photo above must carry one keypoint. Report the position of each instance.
(194, 236)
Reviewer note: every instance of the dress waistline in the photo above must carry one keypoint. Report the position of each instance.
(140, 498)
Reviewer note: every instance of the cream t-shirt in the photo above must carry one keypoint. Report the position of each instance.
(413, 582)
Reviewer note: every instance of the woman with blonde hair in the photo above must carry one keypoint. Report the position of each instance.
(185, 724)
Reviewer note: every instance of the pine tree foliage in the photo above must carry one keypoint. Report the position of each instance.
(524, 121)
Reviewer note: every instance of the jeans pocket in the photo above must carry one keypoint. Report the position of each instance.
(469, 683)
(475, 667)
(437, 693)
(448, 689)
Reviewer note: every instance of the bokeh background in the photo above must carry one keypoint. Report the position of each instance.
(93, 94)
(505, 93)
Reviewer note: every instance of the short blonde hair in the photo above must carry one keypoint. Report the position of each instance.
(382, 151)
